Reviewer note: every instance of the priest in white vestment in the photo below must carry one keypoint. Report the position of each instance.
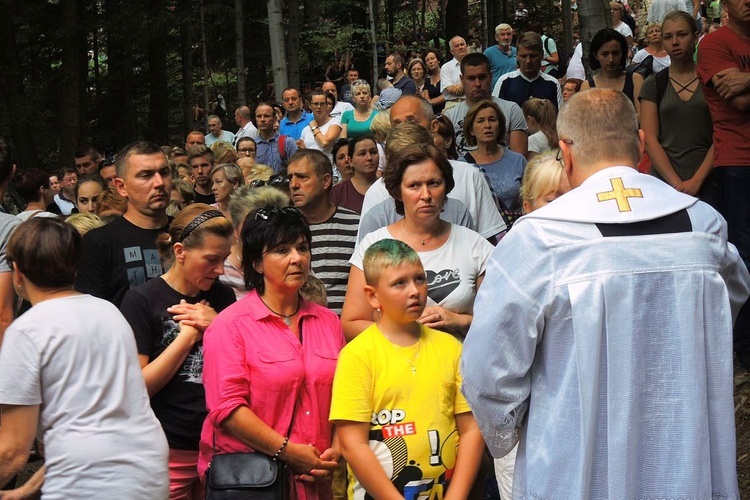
(602, 333)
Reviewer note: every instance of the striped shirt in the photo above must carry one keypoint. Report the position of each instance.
(332, 246)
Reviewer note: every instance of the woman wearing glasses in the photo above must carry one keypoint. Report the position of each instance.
(323, 130)
(356, 122)
(269, 359)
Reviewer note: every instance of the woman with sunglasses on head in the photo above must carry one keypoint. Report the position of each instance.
(323, 130)
(168, 316)
(356, 122)
(270, 360)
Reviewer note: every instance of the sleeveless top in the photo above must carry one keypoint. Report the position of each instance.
(627, 88)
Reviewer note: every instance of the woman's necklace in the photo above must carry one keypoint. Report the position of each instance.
(287, 317)
(423, 240)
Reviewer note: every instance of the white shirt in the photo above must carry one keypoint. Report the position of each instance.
(623, 29)
(602, 339)
(248, 130)
(308, 137)
(450, 74)
(339, 109)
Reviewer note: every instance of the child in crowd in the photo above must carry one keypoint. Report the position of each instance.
(397, 407)
(543, 181)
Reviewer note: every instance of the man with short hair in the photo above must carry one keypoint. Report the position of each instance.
(450, 73)
(243, 117)
(107, 170)
(64, 200)
(528, 80)
(471, 187)
(123, 253)
(346, 89)
(86, 159)
(502, 56)
(475, 80)
(724, 71)
(607, 398)
(296, 118)
(273, 149)
(334, 229)
(394, 66)
(195, 138)
(216, 133)
(340, 106)
(201, 161)
(7, 224)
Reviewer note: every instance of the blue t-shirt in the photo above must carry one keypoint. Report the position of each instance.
(500, 62)
(294, 129)
(504, 177)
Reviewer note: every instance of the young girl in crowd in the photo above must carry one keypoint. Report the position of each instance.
(541, 118)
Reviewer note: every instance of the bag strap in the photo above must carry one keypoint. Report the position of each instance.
(662, 80)
(282, 147)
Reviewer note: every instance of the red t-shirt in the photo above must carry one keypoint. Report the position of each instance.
(717, 51)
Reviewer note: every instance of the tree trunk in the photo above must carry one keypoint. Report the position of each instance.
(121, 106)
(12, 89)
(73, 49)
(204, 58)
(278, 52)
(292, 44)
(456, 19)
(374, 41)
(239, 43)
(312, 12)
(567, 21)
(186, 52)
(593, 15)
(158, 111)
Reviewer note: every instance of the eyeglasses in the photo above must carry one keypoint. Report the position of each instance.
(267, 213)
(559, 157)
(246, 151)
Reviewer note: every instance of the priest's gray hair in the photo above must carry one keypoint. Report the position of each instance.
(600, 125)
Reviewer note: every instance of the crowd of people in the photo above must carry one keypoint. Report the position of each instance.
(484, 259)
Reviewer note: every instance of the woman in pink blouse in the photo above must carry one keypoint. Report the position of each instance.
(269, 360)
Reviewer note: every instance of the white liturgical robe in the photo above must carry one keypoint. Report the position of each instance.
(602, 340)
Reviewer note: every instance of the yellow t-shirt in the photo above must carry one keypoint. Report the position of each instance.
(410, 396)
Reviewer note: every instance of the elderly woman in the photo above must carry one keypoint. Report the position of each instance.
(226, 178)
(69, 374)
(356, 122)
(269, 360)
(323, 130)
(244, 200)
(419, 178)
(168, 316)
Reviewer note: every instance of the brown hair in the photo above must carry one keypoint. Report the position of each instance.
(472, 115)
(192, 238)
(47, 251)
(111, 201)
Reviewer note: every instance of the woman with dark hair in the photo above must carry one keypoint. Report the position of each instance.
(88, 191)
(608, 55)
(431, 91)
(364, 158)
(341, 161)
(484, 127)
(681, 156)
(323, 130)
(419, 178)
(445, 138)
(417, 71)
(270, 360)
(69, 374)
(168, 316)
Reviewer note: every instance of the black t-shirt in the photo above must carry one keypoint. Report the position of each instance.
(180, 405)
(208, 199)
(117, 257)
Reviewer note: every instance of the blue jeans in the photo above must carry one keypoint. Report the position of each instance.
(734, 203)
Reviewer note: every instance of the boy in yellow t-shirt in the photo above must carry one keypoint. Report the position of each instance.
(397, 407)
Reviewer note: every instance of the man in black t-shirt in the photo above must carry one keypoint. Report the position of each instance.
(122, 254)
(201, 161)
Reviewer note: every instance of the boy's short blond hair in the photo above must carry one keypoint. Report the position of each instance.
(386, 253)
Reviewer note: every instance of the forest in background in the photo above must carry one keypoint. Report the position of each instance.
(109, 72)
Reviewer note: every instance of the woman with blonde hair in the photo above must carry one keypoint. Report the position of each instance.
(356, 122)
(541, 118)
(226, 178)
(168, 316)
(223, 152)
(544, 180)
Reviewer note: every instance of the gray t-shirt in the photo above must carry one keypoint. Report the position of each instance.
(514, 120)
(686, 146)
(7, 224)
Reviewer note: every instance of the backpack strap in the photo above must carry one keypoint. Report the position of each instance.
(282, 148)
(662, 80)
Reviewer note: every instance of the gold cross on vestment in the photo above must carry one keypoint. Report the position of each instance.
(620, 194)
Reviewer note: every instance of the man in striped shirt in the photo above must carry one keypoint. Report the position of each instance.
(334, 229)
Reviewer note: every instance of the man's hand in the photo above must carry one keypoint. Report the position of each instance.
(731, 82)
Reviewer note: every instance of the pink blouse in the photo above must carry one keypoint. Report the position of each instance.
(252, 359)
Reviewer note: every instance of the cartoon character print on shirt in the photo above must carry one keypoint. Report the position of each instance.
(392, 452)
(192, 367)
(442, 283)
